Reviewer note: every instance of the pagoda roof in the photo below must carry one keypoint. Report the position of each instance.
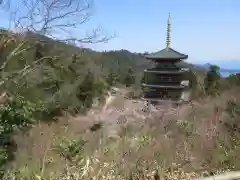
(167, 53)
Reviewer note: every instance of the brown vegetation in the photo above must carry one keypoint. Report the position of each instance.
(193, 139)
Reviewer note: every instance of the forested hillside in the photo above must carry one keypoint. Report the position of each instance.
(62, 63)
(117, 61)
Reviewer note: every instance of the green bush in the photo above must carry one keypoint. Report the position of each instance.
(3, 157)
(112, 79)
(129, 78)
(212, 81)
(17, 113)
(71, 149)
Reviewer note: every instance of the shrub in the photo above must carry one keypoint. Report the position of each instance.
(212, 81)
(71, 148)
(129, 78)
(17, 113)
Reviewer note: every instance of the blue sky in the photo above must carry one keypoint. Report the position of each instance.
(206, 30)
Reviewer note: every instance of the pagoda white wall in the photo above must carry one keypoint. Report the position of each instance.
(186, 95)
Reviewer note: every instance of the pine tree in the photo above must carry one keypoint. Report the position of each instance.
(129, 78)
(112, 78)
(211, 81)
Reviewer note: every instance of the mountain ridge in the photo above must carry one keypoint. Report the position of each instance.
(112, 58)
(123, 57)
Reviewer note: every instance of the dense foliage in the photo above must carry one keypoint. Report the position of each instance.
(16, 113)
(212, 80)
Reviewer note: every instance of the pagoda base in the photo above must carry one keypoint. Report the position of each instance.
(157, 101)
(161, 105)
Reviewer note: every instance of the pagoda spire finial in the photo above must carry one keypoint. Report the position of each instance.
(168, 41)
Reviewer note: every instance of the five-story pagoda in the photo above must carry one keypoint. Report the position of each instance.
(165, 82)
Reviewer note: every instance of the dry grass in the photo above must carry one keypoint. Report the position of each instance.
(173, 145)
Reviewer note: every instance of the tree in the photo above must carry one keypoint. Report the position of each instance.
(211, 81)
(90, 88)
(4, 3)
(56, 19)
(129, 78)
(39, 50)
(112, 78)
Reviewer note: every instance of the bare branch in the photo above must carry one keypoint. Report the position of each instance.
(57, 19)
(5, 4)
(23, 72)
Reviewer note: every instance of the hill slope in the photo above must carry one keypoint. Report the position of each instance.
(114, 60)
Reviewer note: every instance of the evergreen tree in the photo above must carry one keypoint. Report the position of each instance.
(39, 47)
(129, 78)
(86, 89)
(112, 78)
(211, 81)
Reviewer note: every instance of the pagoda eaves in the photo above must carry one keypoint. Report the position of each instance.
(166, 54)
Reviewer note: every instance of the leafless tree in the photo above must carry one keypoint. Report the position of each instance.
(58, 19)
(5, 4)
